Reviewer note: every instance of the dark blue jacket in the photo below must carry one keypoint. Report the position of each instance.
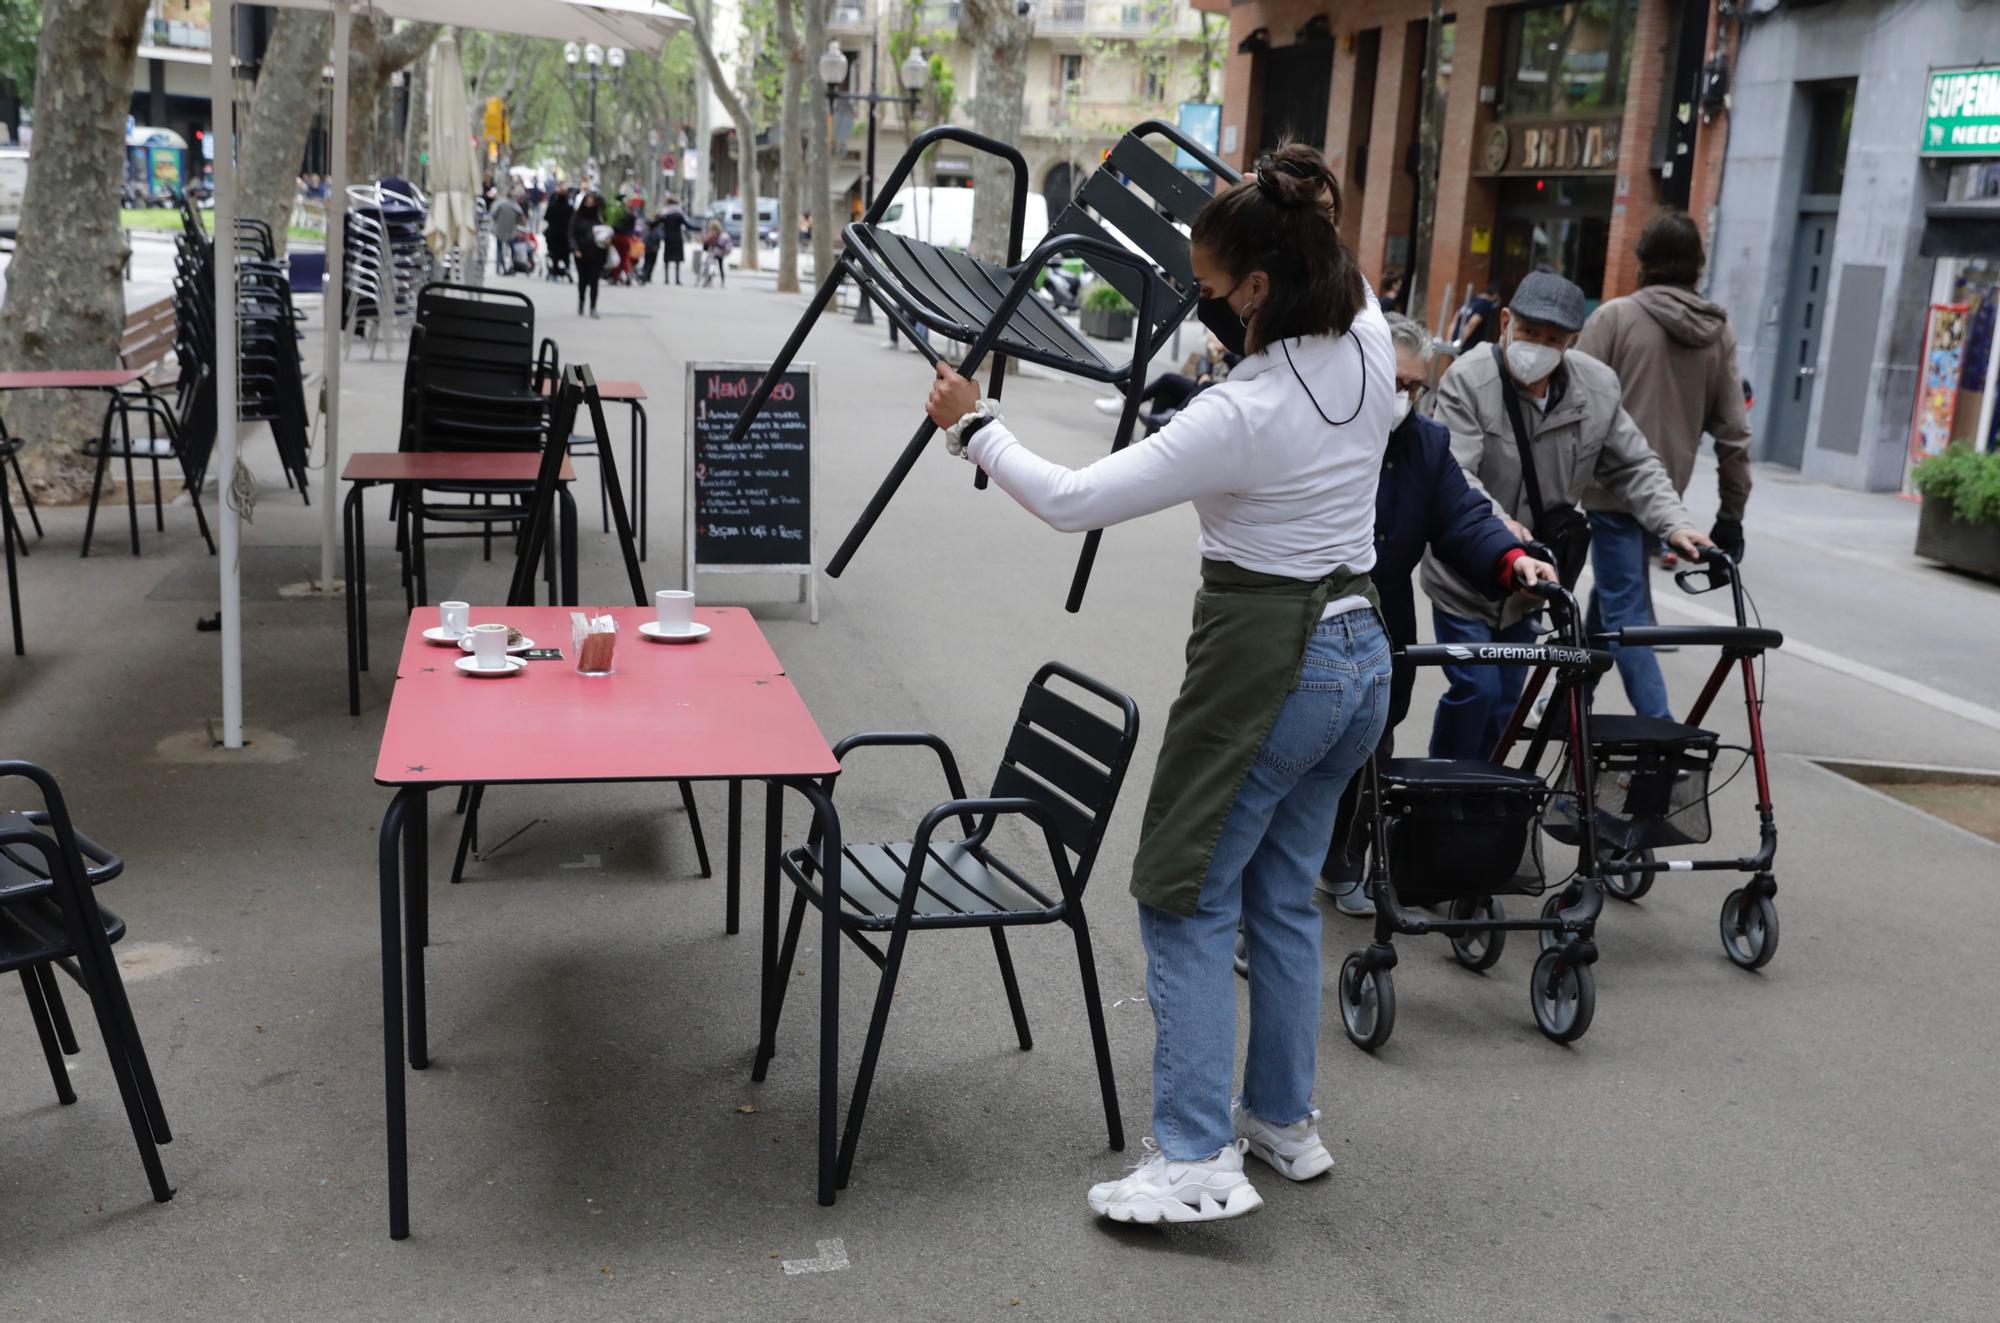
(1425, 501)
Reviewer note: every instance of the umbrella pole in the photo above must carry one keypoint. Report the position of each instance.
(222, 112)
(336, 298)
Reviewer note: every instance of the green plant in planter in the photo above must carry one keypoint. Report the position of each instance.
(1967, 478)
(1103, 296)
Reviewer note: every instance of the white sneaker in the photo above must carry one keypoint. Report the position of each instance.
(1293, 1151)
(1158, 1190)
(1112, 405)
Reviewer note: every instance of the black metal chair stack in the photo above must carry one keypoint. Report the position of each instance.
(474, 380)
(1127, 223)
(1062, 770)
(50, 920)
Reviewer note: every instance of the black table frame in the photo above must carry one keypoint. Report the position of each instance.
(404, 876)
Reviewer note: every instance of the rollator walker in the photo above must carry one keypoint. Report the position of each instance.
(1128, 222)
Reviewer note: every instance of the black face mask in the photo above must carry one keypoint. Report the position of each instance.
(1222, 322)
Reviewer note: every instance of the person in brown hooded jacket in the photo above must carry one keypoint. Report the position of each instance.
(1675, 356)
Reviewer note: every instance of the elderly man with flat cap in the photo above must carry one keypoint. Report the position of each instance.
(1534, 421)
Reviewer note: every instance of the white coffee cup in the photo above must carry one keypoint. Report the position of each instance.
(454, 618)
(489, 646)
(676, 608)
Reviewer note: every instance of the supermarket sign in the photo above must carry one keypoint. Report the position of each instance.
(1962, 113)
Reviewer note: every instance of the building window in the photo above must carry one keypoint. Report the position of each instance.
(1832, 119)
(1132, 15)
(1152, 81)
(1568, 59)
(1069, 74)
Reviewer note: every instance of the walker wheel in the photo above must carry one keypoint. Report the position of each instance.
(1551, 938)
(1629, 886)
(1478, 948)
(1367, 1003)
(1564, 997)
(1749, 929)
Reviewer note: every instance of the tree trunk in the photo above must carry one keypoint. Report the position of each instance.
(999, 35)
(377, 51)
(748, 182)
(789, 146)
(281, 114)
(416, 132)
(65, 303)
(826, 211)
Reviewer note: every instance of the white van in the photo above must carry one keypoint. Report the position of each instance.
(13, 185)
(943, 217)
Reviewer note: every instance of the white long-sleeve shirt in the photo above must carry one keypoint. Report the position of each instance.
(1278, 489)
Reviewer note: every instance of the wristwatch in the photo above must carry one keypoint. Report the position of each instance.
(984, 412)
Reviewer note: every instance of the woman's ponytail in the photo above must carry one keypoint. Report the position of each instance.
(1284, 219)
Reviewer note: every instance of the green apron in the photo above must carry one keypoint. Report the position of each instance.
(1244, 656)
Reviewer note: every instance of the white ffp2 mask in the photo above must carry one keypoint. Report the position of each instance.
(1531, 362)
(1399, 410)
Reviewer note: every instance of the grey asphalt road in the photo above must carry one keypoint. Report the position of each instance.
(1812, 1142)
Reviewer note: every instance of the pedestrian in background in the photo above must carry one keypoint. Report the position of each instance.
(674, 227)
(585, 224)
(1533, 423)
(1478, 318)
(716, 243)
(506, 215)
(1675, 356)
(555, 227)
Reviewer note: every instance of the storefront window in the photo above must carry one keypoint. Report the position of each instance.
(1569, 59)
(1972, 285)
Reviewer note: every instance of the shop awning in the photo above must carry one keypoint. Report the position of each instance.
(1968, 228)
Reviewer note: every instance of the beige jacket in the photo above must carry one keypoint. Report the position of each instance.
(1675, 357)
(1582, 436)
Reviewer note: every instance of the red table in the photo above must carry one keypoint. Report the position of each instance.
(506, 470)
(720, 709)
(117, 378)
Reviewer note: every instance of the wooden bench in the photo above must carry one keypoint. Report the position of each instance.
(150, 334)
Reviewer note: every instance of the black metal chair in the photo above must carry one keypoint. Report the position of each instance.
(1127, 223)
(143, 425)
(50, 920)
(1062, 770)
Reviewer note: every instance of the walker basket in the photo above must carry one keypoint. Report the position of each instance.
(1462, 827)
(1652, 785)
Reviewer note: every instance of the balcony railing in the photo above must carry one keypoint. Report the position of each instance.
(1116, 16)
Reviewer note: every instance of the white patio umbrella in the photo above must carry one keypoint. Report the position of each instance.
(453, 221)
(639, 24)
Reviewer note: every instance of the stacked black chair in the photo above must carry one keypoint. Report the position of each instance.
(49, 921)
(474, 380)
(385, 262)
(1062, 771)
(1137, 194)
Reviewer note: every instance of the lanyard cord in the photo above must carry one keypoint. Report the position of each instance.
(1308, 389)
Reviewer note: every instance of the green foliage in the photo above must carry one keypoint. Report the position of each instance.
(1967, 478)
(1103, 296)
(20, 27)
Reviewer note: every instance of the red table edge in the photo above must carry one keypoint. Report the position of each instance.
(566, 474)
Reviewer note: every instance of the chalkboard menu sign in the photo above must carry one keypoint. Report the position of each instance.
(750, 505)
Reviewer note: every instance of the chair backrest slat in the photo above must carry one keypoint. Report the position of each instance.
(1181, 196)
(1070, 760)
(1159, 240)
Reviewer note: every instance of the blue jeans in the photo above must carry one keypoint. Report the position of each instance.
(1474, 710)
(1621, 597)
(1262, 872)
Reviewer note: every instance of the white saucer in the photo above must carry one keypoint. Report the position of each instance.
(437, 634)
(651, 629)
(522, 646)
(471, 666)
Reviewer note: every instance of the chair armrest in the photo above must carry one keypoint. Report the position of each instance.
(990, 810)
(906, 739)
(107, 864)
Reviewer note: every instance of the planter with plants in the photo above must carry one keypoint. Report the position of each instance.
(1960, 523)
(1106, 313)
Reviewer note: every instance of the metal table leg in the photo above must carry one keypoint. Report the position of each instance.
(733, 887)
(569, 569)
(393, 1083)
(8, 535)
(350, 534)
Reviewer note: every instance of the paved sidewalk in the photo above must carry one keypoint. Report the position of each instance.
(1808, 1143)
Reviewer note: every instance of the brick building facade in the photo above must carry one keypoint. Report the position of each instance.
(1563, 126)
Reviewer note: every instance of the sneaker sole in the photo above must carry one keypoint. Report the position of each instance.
(1241, 1202)
(1303, 1168)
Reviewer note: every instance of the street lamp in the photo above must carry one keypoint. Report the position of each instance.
(593, 57)
(914, 74)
